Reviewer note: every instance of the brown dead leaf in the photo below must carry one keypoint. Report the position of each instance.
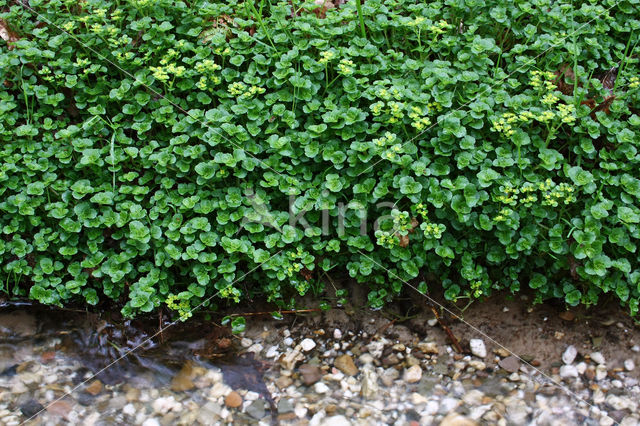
(567, 316)
(7, 34)
(404, 241)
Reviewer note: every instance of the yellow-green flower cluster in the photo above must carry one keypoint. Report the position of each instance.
(429, 229)
(396, 111)
(550, 99)
(326, 56)
(475, 287)
(222, 51)
(504, 124)
(417, 21)
(100, 13)
(68, 26)
(503, 215)
(293, 267)
(388, 138)
(545, 116)
(236, 89)
(540, 79)
(566, 112)
(124, 56)
(230, 292)
(386, 239)
(634, 82)
(559, 193)
(206, 66)
(439, 27)
(434, 106)
(116, 15)
(376, 108)
(183, 306)
(420, 122)
(163, 73)
(550, 193)
(143, 3)
(432, 230)
(345, 67)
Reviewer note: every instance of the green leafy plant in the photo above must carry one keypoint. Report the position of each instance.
(163, 153)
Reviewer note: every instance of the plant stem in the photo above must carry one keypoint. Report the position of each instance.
(359, 8)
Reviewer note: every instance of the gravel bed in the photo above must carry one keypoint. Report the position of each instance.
(327, 377)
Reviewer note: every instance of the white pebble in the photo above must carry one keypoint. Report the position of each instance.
(568, 371)
(597, 357)
(321, 387)
(629, 365)
(569, 354)
(337, 334)
(307, 344)
(478, 348)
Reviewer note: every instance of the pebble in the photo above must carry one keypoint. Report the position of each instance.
(629, 365)
(310, 374)
(151, 422)
(569, 354)
(478, 348)
(568, 371)
(233, 400)
(337, 334)
(345, 364)
(307, 344)
(413, 374)
(597, 357)
(601, 372)
(256, 409)
(320, 387)
(335, 421)
(510, 364)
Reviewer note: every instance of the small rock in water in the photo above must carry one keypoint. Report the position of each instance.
(601, 372)
(335, 421)
(150, 422)
(432, 322)
(413, 374)
(233, 400)
(310, 374)
(455, 419)
(31, 408)
(321, 387)
(345, 364)
(568, 371)
(370, 386)
(629, 365)
(60, 408)
(510, 364)
(18, 323)
(598, 358)
(256, 409)
(94, 388)
(307, 344)
(569, 354)
(478, 348)
(428, 347)
(337, 334)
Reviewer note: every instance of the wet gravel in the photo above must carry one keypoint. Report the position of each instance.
(321, 377)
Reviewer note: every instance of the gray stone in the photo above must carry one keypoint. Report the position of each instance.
(256, 409)
(285, 406)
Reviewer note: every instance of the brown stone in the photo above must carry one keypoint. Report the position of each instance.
(94, 388)
(60, 408)
(345, 364)
(455, 419)
(182, 381)
(310, 374)
(284, 382)
(287, 417)
(47, 357)
(567, 316)
(330, 409)
(233, 400)
(510, 364)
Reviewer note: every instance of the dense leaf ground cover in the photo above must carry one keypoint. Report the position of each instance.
(157, 152)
